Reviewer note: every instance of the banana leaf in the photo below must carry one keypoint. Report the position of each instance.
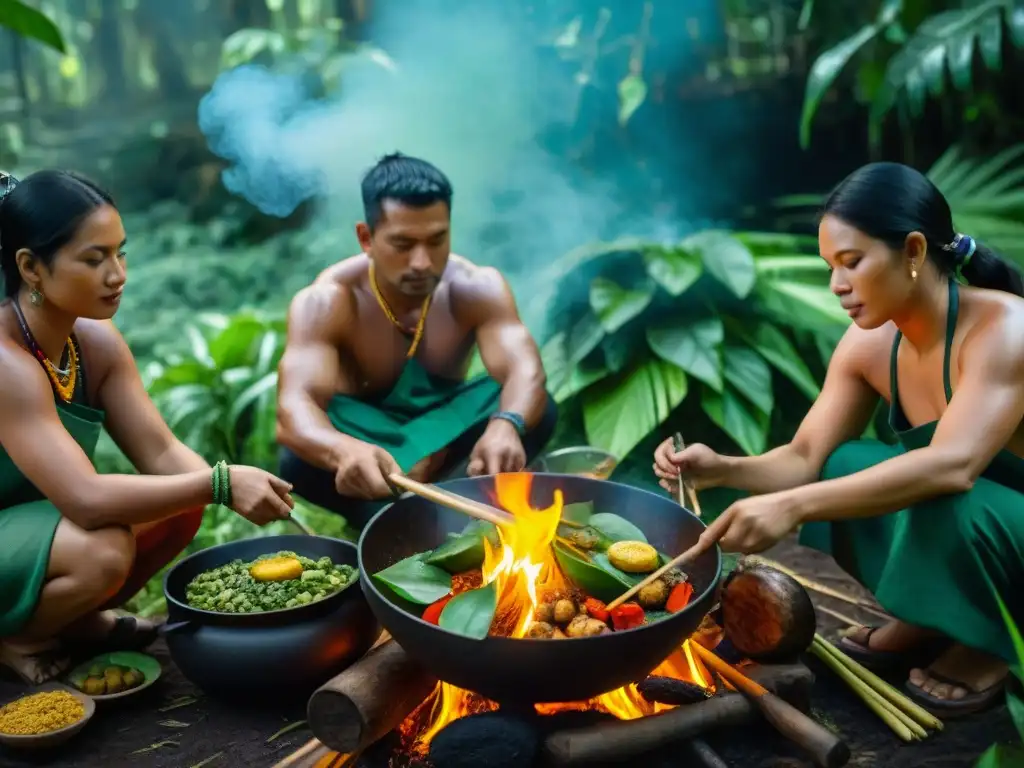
(471, 612)
(416, 581)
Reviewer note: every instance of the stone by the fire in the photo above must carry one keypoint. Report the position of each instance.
(492, 739)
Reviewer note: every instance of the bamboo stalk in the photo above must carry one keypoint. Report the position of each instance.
(678, 444)
(918, 713)
(821, 588)
(900, 723)
(304, 751)
(837, 615)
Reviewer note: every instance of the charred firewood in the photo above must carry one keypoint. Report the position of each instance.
(672, 691)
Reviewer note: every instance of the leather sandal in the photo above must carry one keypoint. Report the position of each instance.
(886, 661)
(971, 703)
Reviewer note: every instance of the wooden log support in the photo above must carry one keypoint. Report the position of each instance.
(368, 700)
(628, 738)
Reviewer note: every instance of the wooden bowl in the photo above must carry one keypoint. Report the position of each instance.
(50, 738)
(147, 665)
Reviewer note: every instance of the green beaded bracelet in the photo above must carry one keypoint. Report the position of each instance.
(221, 484)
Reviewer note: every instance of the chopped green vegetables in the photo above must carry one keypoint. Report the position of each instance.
(232, 588)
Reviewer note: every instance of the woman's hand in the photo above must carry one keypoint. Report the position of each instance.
(701, 466)
(753, 524)
(259, 496)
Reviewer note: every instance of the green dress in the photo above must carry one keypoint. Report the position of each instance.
(420, 415)
(940, 563)
(28, 521)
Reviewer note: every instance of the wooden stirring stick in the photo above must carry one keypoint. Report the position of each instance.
(827, 749)
(679, 445)
(452, 500)
(686, 557)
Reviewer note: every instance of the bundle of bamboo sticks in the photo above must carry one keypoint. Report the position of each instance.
(907, 720)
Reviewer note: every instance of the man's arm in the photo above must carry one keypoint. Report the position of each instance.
(508, 351)
(985, 411)
(309, 373)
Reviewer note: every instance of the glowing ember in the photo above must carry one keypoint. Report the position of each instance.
(523, 567)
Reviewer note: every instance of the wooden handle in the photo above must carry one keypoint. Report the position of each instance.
(688, 555)
(452, 501)
(825, 748)
(679, 445)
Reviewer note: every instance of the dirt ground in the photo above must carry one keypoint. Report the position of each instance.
(172, 725)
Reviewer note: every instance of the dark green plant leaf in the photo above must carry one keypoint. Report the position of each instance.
(674, 269)
(944, 40)
(415, 581)
(579, 379)
(1001, 756)
(727, 259)
(592, 579)
(584, 337)
(628, 580)
(471, 613)
(459, 554)
(776, 348)
(619, 350)
(748, 372)
(694, 347)
(619, 412)
(27, 22)
(614, 305)
(616, 528)
(828, 66)
(746, 425)
(580, 512)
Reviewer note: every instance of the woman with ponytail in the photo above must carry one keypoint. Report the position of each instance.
(933, 526)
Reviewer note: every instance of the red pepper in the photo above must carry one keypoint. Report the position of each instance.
(432, 613)
(596, 609)
(627, 616)
(679, 597)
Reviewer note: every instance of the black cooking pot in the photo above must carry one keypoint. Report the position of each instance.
(523, 671)
(272, 655)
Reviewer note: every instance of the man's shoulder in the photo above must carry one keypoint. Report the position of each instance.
(474, 281)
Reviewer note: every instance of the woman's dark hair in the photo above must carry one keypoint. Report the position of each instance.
(42, 213)
(888, 201)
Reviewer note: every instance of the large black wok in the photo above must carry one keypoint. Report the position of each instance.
(273, 655)
(526, 670)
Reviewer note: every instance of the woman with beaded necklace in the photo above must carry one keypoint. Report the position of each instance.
(933, 525)
(73, 543)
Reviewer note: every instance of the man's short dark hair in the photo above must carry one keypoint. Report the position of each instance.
(407, 180)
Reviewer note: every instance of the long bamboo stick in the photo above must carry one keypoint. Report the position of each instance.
(918, 713)
(900, 723)
(452, 501)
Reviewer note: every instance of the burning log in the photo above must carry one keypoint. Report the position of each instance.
(627, 738)
(369, 699)
(699, 753)
(671, 690)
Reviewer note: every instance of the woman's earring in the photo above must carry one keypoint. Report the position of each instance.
(36, 297)
(913, 273)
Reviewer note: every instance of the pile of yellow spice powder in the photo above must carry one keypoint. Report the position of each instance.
(40, 713)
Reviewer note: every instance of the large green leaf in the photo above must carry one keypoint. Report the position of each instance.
(675, 269)
(749, 374)
(694, 347)
(828, 66)
(727, 259)
(594, 580)
(773, 345)
(1001, 756)
(580, 377)
(744, 423)
(800, 304)
(26, 21)
(471, 612)
(616, 528)
(944, 42)
(415, 581)
(621, 411)
(614, 305)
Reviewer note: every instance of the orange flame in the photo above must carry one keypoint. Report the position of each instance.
(523, 567)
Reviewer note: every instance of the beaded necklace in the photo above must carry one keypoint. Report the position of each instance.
(64, 378)
(417, 332)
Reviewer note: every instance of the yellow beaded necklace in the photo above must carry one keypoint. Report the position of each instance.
(417, 333)
(63, 381)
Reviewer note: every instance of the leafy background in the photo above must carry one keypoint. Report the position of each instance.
(721, 329)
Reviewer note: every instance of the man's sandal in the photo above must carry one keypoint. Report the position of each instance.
(969, 704)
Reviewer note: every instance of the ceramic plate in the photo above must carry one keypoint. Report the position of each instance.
(147, 665)
(51, 738)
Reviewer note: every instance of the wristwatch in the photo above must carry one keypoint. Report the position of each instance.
(512, 418)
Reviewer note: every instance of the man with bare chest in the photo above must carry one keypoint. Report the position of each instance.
(373, 376)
